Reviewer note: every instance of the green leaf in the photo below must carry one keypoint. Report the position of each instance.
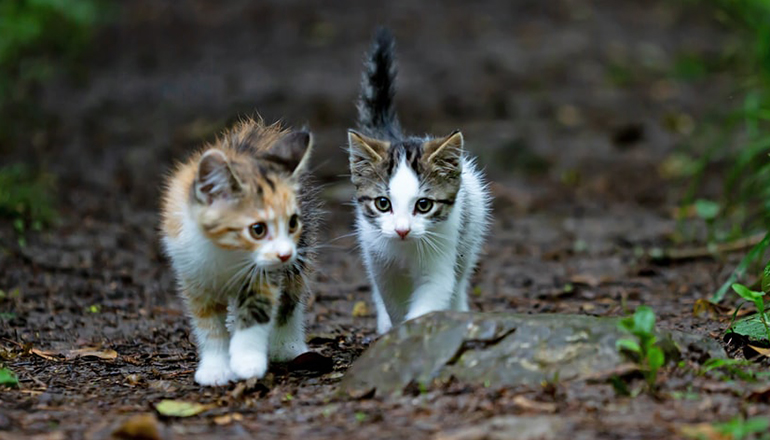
(751, 327)
(745, 293)
(626, 324)
(179, 408)
(755, 253)
(644, 320)
(738, 428)
(7, 378)
(706, 209)
(655, 358)
(628, 344)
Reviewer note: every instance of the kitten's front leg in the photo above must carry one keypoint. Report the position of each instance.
(434, 292)
(376, 274)
(213, 339)
(288, 338)
(384, 323)
(252, 313)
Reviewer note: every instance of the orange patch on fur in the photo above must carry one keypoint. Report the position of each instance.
(203, 310)
(258, 193)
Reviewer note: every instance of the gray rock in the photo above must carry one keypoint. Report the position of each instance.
(497, 349)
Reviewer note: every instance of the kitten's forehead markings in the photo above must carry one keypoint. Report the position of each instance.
(404, 186)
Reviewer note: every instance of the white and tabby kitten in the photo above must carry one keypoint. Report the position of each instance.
(422, 206)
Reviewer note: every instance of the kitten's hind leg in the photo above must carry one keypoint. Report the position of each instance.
(252, 313)
(213, 340)
(287, 340)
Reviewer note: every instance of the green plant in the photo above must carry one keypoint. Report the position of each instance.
(26, 198)
(732, 369)
(740, 428)
(754, 254)
(758, 298)
(643, 348)
(7, 378)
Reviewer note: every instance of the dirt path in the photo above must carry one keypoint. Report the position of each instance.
(567, 103)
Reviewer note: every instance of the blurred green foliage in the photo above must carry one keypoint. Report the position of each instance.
(26, 198)
(736, 139)
(746, 198)
(39, 38)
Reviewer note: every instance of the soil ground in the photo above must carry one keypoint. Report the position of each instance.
(570, 105)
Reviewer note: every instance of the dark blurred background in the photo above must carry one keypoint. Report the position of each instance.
(103, 95)
(656, 103)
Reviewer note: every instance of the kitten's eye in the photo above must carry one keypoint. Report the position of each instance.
(258, 230)
(423, 205)
(382, 203)
(293, 224)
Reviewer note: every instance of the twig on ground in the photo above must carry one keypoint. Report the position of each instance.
(708, 251)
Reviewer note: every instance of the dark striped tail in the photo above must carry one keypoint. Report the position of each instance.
(376, 107)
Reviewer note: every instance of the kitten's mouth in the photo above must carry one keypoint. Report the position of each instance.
(275, 264)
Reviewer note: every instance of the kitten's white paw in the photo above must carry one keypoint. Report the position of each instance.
(214, 371)
(287, 351)
(249, 364)
(383, 327)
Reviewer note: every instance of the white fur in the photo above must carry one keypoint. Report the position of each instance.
(205, 270)
(248, 351)
(214, 366)
(430, 269)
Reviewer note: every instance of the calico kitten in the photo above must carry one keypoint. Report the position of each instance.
(239, 225)
(422, 207)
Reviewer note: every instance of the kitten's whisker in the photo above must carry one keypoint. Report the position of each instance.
(352, 234)
(247, 282)
(436, 234)
(241, 271)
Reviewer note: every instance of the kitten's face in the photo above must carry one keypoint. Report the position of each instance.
(249, 204)
(406, 189)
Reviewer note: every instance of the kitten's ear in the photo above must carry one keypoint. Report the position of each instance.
(215, 178)
(445, 152)
(365, 149)
(292, 151)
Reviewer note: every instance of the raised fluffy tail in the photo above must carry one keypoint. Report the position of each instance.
(376, 107)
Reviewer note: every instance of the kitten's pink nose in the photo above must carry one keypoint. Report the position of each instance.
(403, 233)
(284, 257)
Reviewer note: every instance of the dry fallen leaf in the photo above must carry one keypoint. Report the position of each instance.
(585, 279)
(228, 418)
(179, 408)
(87, 352)
(759, 394)
(703, 431)
(619, 371)
(360, 309)
(533, 405)
(44, 354)
(141, 426)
